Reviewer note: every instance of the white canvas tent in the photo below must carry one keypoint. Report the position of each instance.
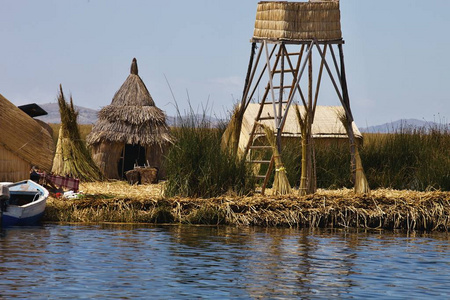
(326, 126)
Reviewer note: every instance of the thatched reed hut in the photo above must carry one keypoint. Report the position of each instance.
(326, 129)
(130, 131)
(23, 143)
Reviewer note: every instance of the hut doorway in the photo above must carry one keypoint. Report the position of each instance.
(131, 155)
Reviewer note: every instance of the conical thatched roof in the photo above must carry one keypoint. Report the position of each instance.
(132, 117)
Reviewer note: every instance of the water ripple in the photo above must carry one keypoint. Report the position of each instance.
(185, 262)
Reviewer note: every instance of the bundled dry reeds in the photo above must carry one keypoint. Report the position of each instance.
(382, 209)
(298, 20)
(281, 184)
(72, 158)
(231, 135)
(361, 183)
(307, 178)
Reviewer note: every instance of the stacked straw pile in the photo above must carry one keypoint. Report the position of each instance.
(72, 158)
(298, 21)
(361, 183)
(280, 182)
(382, 209)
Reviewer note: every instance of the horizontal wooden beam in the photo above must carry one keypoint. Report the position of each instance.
(299, 42)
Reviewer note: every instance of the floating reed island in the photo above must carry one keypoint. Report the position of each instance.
(382, 209)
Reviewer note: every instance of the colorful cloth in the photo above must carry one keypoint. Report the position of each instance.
(65, 182)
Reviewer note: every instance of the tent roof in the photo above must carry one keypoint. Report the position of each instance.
(326, 122)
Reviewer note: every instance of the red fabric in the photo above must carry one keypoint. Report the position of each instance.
(66, 182)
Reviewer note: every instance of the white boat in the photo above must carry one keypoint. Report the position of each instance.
(24, 203)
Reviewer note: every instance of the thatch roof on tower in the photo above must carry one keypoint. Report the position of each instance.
(132, 117)
(296, 21)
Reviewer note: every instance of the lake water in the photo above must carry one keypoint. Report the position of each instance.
(200, 262)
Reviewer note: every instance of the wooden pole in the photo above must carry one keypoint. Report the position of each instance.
(280, 99)
(270, 73)
(309, 112)
(249, 98)
(349, 117)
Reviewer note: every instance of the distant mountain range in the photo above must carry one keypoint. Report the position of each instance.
(85, 115)
(89, 116)
(402, 124)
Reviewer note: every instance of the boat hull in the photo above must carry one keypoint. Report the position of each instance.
(29, 213)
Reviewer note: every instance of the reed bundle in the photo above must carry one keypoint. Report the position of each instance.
(230, 138)
(307, 178)
(281, 184)
(72, 158)
(382, 209)
(298, 20)
(361, 183)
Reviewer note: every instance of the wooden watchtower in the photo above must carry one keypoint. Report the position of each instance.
(286, 37)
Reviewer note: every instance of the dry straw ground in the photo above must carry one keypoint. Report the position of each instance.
(383, 208)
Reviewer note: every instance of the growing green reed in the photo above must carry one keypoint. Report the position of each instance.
(408, 158)
(197, 167)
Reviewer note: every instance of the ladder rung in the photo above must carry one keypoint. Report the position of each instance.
(260, 147)
(260, 176)
(292, 53)
(268, 118)
(283, 102)
(285, 71)
(259, 161)
(284, 87)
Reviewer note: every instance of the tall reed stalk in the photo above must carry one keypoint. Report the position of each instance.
(407, 158)
(198, 167)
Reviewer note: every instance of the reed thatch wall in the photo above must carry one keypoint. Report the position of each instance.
(298, 20)
(132, 118)
(24, 142)
(12, 167)
(106, 155)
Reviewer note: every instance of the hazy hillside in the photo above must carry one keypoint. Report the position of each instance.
(89, 116)
(403, 123)
(86, 115)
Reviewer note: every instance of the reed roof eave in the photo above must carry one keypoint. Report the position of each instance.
(23, 136)
(118, 132)
(132, 117)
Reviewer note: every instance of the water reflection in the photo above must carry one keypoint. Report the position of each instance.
(139, 261)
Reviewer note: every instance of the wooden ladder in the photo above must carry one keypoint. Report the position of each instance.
(257, 153)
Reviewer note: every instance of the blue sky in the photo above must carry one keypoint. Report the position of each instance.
(396, 53)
